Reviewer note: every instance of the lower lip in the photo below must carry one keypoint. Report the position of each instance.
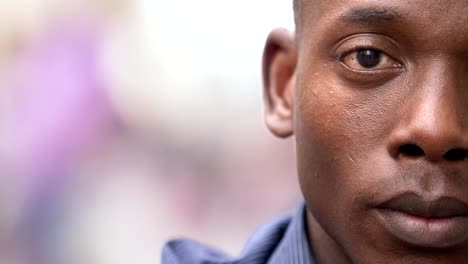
(425, 232)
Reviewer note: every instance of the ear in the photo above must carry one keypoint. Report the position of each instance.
(279, 67)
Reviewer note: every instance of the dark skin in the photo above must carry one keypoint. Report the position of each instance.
(376, 94)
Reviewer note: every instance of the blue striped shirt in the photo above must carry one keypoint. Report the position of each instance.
(283, 241)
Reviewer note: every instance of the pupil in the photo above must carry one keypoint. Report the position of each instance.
(369, 58)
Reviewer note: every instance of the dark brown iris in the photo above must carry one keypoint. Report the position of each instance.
(369, 58)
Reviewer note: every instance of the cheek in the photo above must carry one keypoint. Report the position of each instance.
(323, 155)
(340, 144)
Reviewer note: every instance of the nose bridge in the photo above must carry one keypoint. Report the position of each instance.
(435, 116)
(438, 102)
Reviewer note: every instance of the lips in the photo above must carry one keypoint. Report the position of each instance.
(440, 223)
(414, 205)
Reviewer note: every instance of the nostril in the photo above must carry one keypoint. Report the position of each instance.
(456, 155)
(411, 150)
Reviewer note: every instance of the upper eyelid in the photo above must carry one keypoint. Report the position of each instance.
(373, 41)
(340, 56)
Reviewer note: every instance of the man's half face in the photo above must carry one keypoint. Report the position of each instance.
(376, 94)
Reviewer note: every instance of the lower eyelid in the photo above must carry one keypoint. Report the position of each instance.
(365, 79)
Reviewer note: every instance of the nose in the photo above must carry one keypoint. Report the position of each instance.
(433, 122)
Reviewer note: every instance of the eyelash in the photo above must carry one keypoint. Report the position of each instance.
(368, 77)
(357, 47)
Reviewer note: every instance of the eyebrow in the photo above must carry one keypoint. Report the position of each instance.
(369, 15)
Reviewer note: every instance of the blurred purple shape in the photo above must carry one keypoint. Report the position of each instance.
(60, 104)
(60, 111)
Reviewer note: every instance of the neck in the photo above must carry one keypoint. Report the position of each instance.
(324, 247)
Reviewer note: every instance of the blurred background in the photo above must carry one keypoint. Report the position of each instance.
(125, 123)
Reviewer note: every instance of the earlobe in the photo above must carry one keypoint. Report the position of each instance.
(279, 66)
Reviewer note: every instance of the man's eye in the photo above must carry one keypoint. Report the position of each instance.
(368, 60)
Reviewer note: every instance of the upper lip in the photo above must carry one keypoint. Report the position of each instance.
(413, 204)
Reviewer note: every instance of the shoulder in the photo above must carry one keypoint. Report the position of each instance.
(258, 249)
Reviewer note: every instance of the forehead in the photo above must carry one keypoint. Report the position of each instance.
(431, 21)
(440, 8)
(434, 10)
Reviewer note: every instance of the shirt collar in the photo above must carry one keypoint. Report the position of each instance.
(294, 248)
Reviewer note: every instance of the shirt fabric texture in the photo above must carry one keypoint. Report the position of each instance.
(283, 241)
